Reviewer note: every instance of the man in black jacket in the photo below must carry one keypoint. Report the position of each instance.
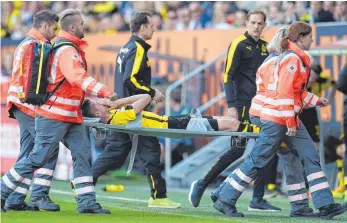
(341, 85)
(133, 76)
(245, 55)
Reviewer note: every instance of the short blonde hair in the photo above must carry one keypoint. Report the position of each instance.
(64, 18)
(275, 43)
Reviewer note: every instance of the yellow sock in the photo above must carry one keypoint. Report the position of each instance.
(340, 176)
(271, 186)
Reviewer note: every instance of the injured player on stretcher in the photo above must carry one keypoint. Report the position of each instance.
(125, 110)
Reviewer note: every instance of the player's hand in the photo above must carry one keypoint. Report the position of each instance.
(114, 96)
(232, 112)
(291, 131)
(323, 102)
(158, 97)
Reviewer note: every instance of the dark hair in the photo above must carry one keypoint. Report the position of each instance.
(256, 12)
(86, 109)
(316, 67)
(296, 30)
(138, 20)
(44, 16)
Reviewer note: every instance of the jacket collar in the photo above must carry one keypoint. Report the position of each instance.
(34, 33)
(141, 41)
(81, 44)
(301, 54)
(251, 38)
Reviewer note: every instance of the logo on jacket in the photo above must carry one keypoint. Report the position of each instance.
(292, 68)
(78, 58)
(263, 48)
(249, 48)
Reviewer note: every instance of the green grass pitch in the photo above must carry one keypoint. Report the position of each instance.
(131, 206)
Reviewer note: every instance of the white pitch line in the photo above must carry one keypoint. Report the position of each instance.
(107, 197)
(149, 210)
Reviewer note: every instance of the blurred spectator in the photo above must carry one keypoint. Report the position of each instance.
(220, 14)
(340, 13)
(289, 13)
(113, 16)
(157, 20)
(318, 14)
(119, 24)
(240, 18)
(329, 6)
(199, 20)
(183, 19)
(172, 19)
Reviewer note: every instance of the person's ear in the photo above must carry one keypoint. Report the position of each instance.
(97, 114)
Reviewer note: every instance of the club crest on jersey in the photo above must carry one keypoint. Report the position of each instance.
(292, 68)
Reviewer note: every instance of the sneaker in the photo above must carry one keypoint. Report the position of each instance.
(329, 211)
(262, 205)
(3, 205)
(196, 191)
(44, 203)
(21, 207)
(227, 209)
(162, 203)
(338, 194)
(306, 212)
(95, 209)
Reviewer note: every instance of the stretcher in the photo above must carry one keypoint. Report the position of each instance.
(135, 128)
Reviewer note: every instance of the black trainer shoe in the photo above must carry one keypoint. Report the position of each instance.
(329, 211)
(227, 209)
(196, 191)
(95, 209)
(306, 212)
(262, 205)
(21, 207)
(3, 205)
(44, 203)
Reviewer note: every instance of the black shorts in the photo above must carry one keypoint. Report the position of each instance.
(181, 122)
(309, 118)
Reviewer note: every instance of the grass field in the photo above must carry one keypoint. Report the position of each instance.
(131, 206)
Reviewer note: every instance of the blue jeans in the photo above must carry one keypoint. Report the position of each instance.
(43, 180)
(270, 139)
(48, 135)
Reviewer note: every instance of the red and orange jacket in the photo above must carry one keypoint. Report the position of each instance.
(20, 71)
(67, 62)
(262, 78)
(286, 93)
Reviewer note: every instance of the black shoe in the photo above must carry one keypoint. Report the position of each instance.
(214, 197)
(21, 207)
(196, 191)
(329, 211)
(3, 205)
(304, 212)
(262, 205)
(96, 209)
(227, 209)
(44, 203)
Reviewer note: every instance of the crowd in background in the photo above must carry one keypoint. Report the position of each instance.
(112, 17)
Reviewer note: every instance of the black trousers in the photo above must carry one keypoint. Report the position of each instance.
(236, 151)
(118, 146)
